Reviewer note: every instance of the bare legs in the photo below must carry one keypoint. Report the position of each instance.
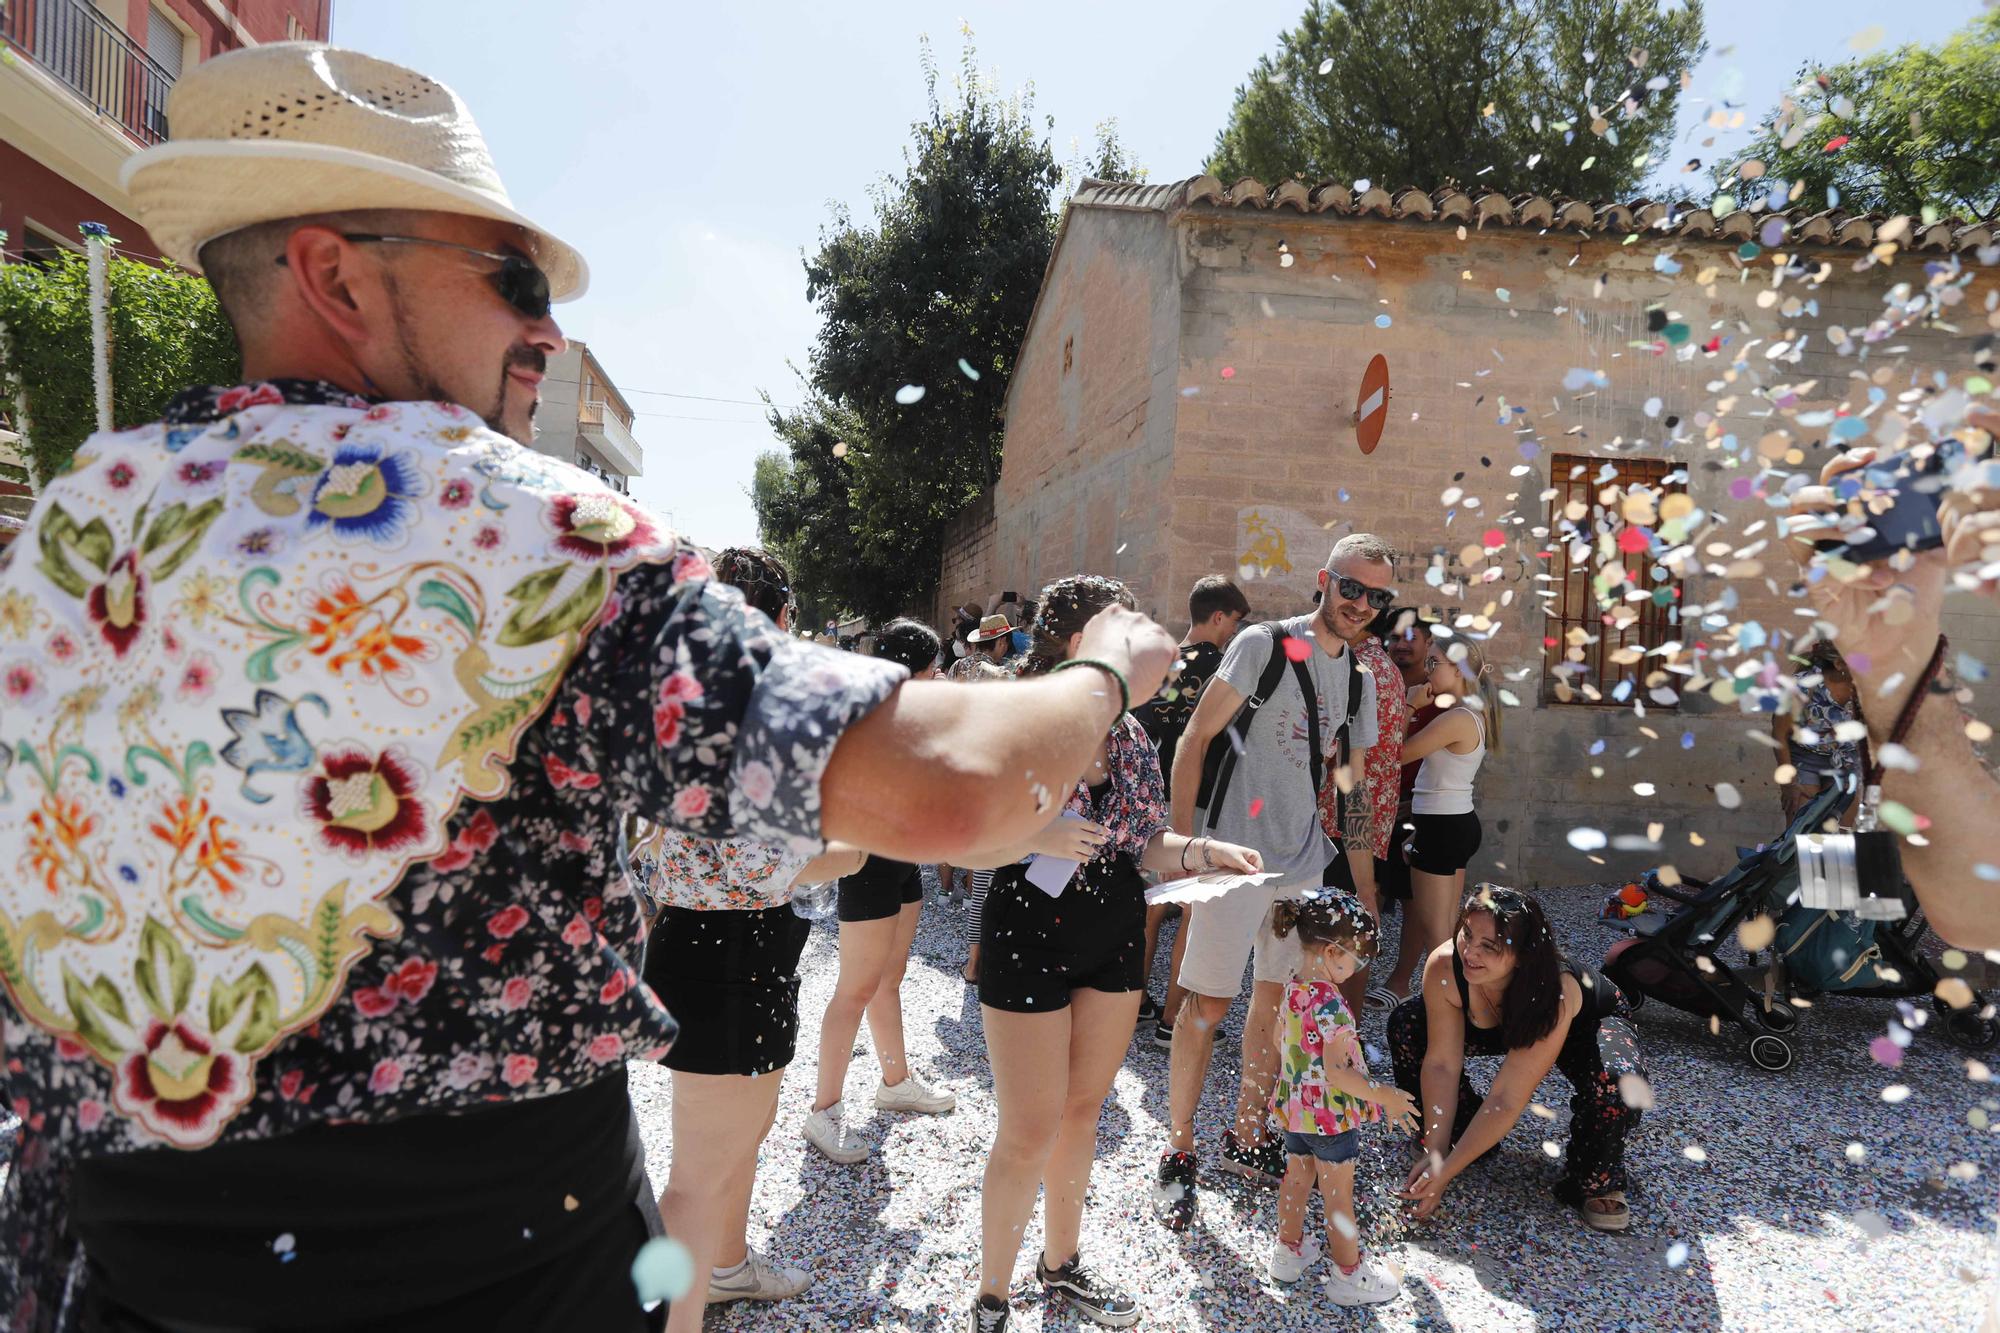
(885, 1011)
(866, 949)
(1048, 1122)
(1336, 1191)
(1194, 1045)
(1170, 1005)
(718, 1122)
(1428, 915)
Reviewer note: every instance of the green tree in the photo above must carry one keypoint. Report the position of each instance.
(932, 294)
(166, 333)
(1912, 130)
(804, 507)
(1570, 97)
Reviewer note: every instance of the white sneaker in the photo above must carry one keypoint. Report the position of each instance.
(1289, 1265)
(757, 1280)
(1370, 1284)
(912, 1095)
(828, 1131)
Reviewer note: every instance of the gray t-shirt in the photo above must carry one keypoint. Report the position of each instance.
(1273, 767)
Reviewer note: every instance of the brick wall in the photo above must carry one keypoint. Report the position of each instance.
(966, 574)
(1262, 367)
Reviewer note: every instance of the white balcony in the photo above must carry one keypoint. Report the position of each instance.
(599, 425)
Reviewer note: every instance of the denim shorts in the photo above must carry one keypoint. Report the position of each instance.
(1333, 1149)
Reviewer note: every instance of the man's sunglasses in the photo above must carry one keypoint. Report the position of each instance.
(1379, 599)
(519, 282)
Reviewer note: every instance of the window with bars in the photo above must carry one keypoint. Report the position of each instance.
(1607, 606)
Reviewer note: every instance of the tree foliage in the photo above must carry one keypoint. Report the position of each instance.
(166, 333)
(932, 293)
(1902, 131)
(1570, 97)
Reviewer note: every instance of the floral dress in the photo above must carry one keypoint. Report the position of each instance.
(498, 966)
(1316, 1032)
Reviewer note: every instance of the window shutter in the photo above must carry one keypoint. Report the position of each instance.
(164, 41)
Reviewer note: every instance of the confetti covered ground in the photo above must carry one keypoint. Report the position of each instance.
(1748, 1212)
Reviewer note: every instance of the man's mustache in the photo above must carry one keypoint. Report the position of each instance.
(533, 358)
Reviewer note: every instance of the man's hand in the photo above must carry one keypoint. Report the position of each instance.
(1885, 618)
(1969, 514)
(1132, 643)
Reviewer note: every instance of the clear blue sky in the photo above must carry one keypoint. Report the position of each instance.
(693, 151)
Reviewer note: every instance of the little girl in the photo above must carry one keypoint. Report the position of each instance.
(1323, 1094)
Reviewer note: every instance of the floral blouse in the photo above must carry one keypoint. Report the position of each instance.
(512, 974)
(732, 874)
(1382, 773)
(1317, 1033)
(1133, 804)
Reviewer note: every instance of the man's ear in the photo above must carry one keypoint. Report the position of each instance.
(328, 278)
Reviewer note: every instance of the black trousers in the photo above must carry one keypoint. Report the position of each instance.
(1598, 1053)
(525, 1216)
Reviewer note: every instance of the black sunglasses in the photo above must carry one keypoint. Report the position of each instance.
(1379, 599)
(519, 282)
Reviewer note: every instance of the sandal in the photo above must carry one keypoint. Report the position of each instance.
(1380, 997)
(1616, 1218)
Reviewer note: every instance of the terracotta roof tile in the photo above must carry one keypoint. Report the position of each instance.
(1483, 206)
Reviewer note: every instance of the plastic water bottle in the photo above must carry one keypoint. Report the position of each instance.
(816, 902)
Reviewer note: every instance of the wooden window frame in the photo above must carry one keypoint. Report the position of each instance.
(1575, 606)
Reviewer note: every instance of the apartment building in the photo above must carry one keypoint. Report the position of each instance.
(585, 420)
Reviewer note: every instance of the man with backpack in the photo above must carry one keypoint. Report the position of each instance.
(1296, 705)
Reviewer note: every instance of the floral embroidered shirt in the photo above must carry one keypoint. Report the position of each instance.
(509, 971)
(1383, 769)
(731, 874)
(1317, 1033)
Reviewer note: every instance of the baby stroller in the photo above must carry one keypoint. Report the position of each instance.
(1673, 959)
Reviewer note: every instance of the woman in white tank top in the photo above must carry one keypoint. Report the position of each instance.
(1450, 749)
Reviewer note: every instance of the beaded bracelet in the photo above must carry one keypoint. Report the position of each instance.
(1124, 690)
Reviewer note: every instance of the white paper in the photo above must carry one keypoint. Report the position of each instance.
(1203, 888)
(1051, 874)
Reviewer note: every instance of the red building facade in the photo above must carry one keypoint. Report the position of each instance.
(87, 87)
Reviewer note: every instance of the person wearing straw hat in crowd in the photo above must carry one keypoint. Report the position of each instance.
(319, 950)
(992, 643)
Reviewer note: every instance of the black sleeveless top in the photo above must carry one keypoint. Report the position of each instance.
(1601, 999)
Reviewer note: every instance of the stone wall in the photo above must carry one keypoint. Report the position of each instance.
(966, 574)
(1182, 408)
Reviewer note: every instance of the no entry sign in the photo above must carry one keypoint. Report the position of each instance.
(1371, 410)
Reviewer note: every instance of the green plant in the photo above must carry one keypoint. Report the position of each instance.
(1911, 130)
(1570, 97)
(166, 333)
(922, 311)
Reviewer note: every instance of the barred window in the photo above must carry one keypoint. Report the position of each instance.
(1607, 606)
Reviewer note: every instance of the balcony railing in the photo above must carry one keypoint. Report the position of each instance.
(607, 432)
(85, 51)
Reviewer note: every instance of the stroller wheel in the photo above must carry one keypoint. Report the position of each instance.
(1780, 1017)
(1966, 1027)
(1769, 1052)
(1634, 1000)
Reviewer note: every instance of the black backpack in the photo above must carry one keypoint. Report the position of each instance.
(1218, 765)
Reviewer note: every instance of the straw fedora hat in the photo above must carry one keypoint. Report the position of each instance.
(990, 628)
(294, 128)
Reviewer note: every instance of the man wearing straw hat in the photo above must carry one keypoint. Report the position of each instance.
(327, 705)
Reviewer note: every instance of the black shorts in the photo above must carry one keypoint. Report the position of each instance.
(881, 888)
(732, 979)
(1444, 844)
(1035, 950)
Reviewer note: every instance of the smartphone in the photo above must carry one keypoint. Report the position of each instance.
(1911, 521)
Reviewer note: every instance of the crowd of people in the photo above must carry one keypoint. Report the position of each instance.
(1332, 757)
(360, 910)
